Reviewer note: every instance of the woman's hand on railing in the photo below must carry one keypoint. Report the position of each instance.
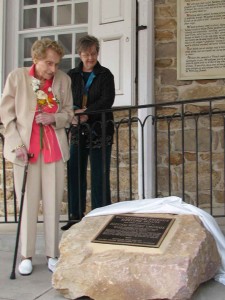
(82, 118)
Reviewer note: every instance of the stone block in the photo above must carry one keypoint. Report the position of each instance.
(187, 257)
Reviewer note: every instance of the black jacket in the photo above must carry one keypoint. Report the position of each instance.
(101, 95)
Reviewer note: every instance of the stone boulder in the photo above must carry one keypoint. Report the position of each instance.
(186, 258)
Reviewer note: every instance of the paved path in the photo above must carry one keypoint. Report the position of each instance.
(38, 284)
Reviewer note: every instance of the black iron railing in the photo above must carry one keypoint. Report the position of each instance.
(174, 148)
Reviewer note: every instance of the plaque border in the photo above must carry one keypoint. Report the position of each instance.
(172, 220)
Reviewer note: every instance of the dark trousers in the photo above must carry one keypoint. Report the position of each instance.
(77, 179)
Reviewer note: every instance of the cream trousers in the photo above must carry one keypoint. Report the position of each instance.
(44, 182)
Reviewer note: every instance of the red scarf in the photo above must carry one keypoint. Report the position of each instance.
(43, 138)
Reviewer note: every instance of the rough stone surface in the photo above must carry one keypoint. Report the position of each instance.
(187, 257)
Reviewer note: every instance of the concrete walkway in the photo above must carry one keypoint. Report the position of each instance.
(38, 284)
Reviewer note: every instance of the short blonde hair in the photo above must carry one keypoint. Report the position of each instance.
(39, 48)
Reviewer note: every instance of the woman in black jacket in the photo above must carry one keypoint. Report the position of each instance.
(93, 90)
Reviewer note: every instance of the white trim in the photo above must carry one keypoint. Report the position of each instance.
(146, 93)
(2, 39)
(65, 28)
(11, 43)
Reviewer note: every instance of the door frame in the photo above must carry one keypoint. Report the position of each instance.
(146, 96)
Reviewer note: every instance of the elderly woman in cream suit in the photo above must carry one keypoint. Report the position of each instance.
(35, 109)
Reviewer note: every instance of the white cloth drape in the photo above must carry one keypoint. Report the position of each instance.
(173, 205)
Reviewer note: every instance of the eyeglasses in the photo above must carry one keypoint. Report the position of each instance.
(87, 55)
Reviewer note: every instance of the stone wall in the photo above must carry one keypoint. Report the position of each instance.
(202, 159)
(168, 88)
(9, 191)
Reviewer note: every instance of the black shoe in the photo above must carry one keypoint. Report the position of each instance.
(74, 220)
(68, 225)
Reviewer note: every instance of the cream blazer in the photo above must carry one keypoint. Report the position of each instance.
(17, 109)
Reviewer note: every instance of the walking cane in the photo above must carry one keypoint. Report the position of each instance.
(13, 275)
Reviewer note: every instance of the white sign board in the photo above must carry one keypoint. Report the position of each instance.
(201, 39)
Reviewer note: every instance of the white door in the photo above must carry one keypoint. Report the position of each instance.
(114, 23)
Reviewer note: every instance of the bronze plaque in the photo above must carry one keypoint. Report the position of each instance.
(134, 231)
